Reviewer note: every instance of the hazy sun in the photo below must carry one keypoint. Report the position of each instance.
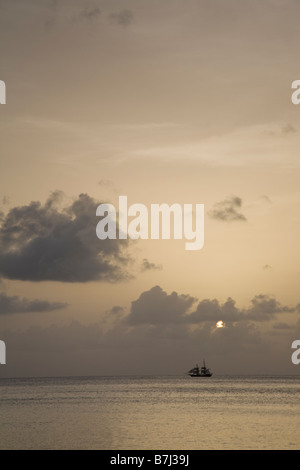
(220, 324)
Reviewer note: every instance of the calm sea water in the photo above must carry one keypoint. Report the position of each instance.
(156, 413)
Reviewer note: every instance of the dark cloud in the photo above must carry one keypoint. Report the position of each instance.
(148, 266)
(159, 335)
(115, 312)
(156, 306)
(117, 309)
(78, 349)
(48, 243)
(213, 311)
(264, 307)
(123, 18)
(90, 13)
(15, 304)
(163, 333)
(56, 12)
(227, 210)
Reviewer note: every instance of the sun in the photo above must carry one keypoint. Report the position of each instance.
(220, 324)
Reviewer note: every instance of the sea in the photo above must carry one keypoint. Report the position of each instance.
(150, 413)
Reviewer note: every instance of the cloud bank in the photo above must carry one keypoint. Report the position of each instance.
(155, 306)
(162, 333)
(15, 304)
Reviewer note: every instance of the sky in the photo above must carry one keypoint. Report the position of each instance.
(172, 101)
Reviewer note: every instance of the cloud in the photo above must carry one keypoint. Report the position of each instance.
(48, 243)
(56, 13)
(267, 267)
(148, 266)
(90, 13)
(147, 348)
(213, 311)
(123, 18)
(159, 335)
(264, 307)
(115, 313)
(106, 183)
(227, 210)
(77, 349)
(156, 306)
(116, 310)
(15, 304)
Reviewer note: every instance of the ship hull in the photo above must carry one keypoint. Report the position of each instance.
(207, 375)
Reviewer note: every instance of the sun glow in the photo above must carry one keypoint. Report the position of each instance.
(220, 324)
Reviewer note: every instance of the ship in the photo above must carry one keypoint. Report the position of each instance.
(200, 372)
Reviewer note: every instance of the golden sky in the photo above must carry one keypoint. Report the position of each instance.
(166, 102)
